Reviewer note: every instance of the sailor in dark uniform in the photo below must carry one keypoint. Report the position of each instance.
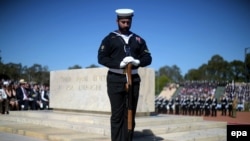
(230, 107)
(214, 107)
(197, 106)
(164, 106)
(184, 105)
(118, 49)
(208, 103)
(191, 106)
(170, 105)
(157, 104)
(224, 103)
(202, 103)
(177, 106)
(188, 104)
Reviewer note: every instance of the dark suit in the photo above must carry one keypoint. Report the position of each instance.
(35, 95)
(20, 97)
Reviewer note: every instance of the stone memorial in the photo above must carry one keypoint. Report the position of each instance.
(86, 90)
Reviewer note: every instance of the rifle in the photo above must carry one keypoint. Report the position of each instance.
(129, 100)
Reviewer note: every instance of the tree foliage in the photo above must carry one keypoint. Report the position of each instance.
(75, 67)
(217, 69)
(247, 67)
(167, 75)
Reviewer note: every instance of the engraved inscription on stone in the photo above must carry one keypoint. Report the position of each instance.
(85, 89)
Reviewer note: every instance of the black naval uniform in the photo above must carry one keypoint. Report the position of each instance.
(208, 103)
(177, 106)
(184, 106)
(230, 107)
(191, 107)
(170, 105)
(197, 107)
(214, 107)
(224, 103)
(111, 52)
(202, 106)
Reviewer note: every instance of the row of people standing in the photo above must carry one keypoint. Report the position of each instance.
(187, 106)
(24, 97)
(198, 106)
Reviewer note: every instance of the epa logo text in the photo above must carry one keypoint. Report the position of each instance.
(238, 133)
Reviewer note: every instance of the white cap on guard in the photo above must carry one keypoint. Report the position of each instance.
(124, 13)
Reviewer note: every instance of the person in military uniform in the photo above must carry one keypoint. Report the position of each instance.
(170, 105)
(224, 103)
(191, 106)
(157, 105)
(197, 106)
(230, 107)
(188, 104)
(117, 50)
(214, 107)
(164, 106)
(208, 103)
(177, 106)
(235, 105)
(184, 105)
(202, 105)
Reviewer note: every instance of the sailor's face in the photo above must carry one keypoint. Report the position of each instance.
(124, 24)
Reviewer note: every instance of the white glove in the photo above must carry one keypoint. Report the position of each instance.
(135, 62)
(131, 59)
(122, 64)
(125, 61)
(128, 59)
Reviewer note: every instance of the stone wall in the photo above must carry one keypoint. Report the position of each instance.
(86, 90)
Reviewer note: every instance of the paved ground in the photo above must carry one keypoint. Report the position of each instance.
(16, 137)
(241, 118)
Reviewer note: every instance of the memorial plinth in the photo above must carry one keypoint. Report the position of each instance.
(86, 90)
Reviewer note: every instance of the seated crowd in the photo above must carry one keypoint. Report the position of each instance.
(199, 99)
(240, 90)
(23, 96)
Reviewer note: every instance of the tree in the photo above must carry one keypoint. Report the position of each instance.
(247, 67)
(92, 66)
(13, 70)
(0, 58)
(237, 71)
(37, 74)
(193, 74)
(161, 81)
(217, 68)
(173, 73)
(75, 67)
(166, 75)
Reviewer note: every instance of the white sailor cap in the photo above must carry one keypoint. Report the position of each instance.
(124, 13)
(5, 83)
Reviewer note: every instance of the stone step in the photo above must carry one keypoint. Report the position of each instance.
(164, 126)
(49, 133)
(55, 134)
(82, 127)
(215, 134)
(173, 128)
(165, 119)
(160, 123)
(102, 119)
(212, 134)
